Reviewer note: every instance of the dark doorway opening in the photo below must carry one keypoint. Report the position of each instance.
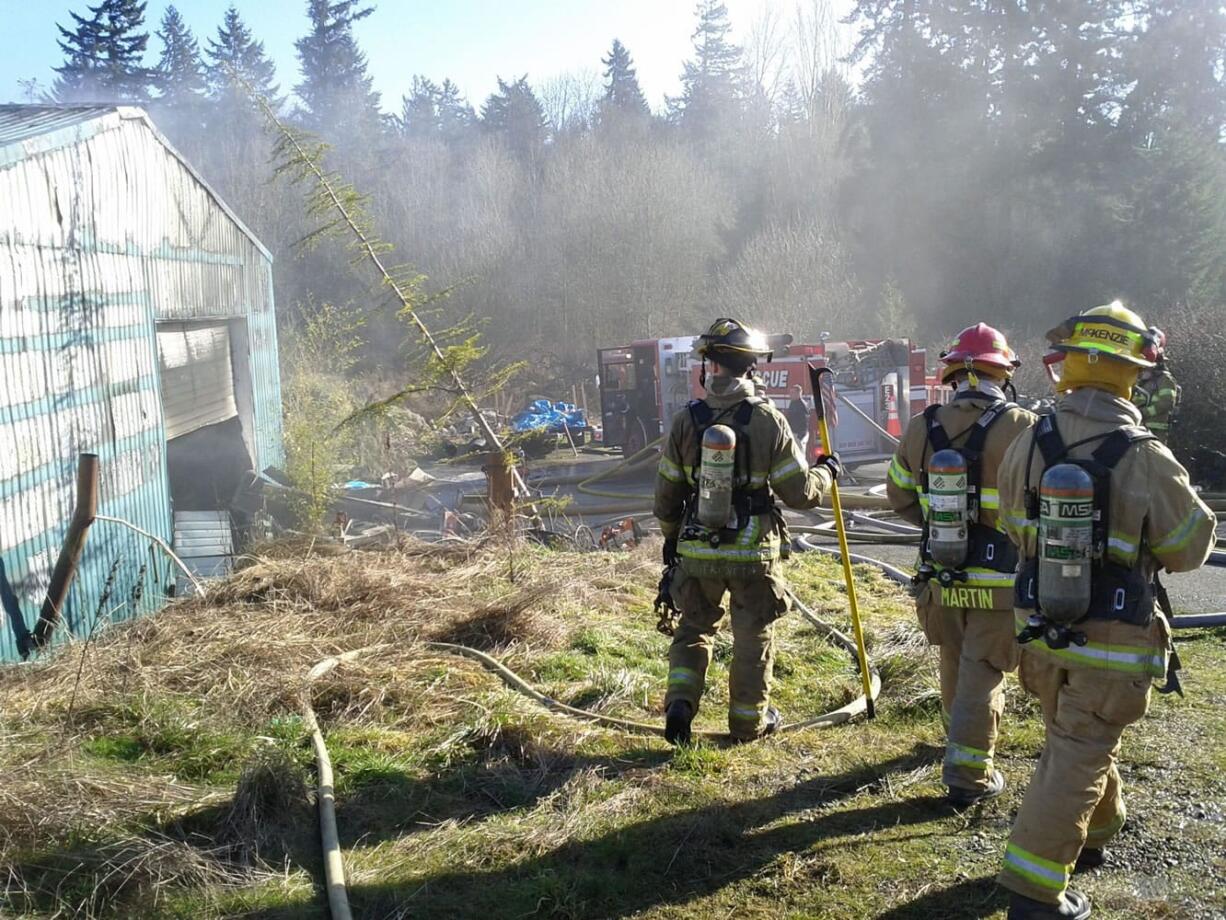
(207, 467)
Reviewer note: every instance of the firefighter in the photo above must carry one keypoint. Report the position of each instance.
(1157, 394)
(1096, 506)
(725, 538)
(797, 414)
(965, 600)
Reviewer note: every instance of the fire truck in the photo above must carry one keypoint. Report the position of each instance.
(643, 385)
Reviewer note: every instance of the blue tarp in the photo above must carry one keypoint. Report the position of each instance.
(542, 415)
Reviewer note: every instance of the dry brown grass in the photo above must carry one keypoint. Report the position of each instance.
(247, 646)
(238, 658)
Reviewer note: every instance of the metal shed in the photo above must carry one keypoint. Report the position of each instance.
(136, 322)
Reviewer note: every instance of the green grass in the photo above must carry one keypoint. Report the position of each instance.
(459, 798)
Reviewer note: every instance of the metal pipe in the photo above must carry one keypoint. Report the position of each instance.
(196, 583)
(864, 415)
(65, 571)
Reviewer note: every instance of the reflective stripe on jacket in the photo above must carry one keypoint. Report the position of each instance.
(1157, 395)
(774, 459)
(992, 589)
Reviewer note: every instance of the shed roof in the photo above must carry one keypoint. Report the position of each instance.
(22, 122)
(29, 130)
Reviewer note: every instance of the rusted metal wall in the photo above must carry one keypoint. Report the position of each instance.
(104, 231)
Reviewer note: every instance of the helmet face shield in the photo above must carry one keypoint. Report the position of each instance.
(731, 337)
(1053, 363)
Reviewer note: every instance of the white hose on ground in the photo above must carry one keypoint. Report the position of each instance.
(1198, 620)
(329, 837)
(838, 716)
(640, 458)
(892, 526)
(803, 543)
(859, 535)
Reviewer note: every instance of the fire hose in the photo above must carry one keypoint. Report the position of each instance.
(334, 870)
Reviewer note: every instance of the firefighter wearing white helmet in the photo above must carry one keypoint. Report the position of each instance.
(727, 457)
(1096, 506)
(943, 477)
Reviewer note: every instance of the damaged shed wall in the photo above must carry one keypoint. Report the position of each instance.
(105, 232)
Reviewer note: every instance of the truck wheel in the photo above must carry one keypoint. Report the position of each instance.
(636, 438)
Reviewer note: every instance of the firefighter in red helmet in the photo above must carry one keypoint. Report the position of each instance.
(943, 478)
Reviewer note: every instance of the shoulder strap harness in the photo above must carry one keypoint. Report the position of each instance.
(746, 502)
(1119, 592)
(987, 547)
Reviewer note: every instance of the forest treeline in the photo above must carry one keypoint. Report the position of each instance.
(1007, 161)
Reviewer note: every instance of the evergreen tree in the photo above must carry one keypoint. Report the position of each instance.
(622, 90)
(516, 114)
(431, 110)
(103, 55)
(1179, 69)
(711, 84)
(180, 73)
(454, 113)
(419, 109)
(234, 50)
(336, 91)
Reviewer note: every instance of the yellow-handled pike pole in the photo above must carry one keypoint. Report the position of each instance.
(815, 382)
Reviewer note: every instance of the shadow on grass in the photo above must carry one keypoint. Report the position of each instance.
(969, 900)
(391, 803)
(119, 871)
(663, 861)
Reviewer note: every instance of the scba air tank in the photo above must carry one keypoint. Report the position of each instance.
(715, 473)
(1066, 542)
(948, 523)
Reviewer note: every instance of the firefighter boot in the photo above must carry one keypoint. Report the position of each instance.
(677, 720)
(1073, 906)
(771, 721)
(964, 798)
(1090, 858)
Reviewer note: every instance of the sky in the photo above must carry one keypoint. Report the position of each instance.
(472, 42)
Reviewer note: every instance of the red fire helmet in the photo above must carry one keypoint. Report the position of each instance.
(979, 347)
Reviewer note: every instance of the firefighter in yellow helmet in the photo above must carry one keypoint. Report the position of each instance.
(722, 529)
(1157, 394)
(965, 600)
(1096, 506)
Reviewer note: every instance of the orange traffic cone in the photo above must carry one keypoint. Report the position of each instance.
(893, 424)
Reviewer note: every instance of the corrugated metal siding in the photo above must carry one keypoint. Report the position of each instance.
(100, 238)
(205, 542)
(197, 376)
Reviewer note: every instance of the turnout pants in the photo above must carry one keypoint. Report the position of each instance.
(1074, 799)
(977, 648)
(756, 601)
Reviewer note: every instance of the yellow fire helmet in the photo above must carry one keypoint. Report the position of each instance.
(732, 336)
(1111, 331)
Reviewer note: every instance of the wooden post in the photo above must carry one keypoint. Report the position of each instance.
(500, 489)
(70, 552)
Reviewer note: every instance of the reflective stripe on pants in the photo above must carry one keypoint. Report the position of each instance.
(1074, 797)
(755, 603)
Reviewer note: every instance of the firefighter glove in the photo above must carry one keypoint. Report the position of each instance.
(832, 463)
(670, 552)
